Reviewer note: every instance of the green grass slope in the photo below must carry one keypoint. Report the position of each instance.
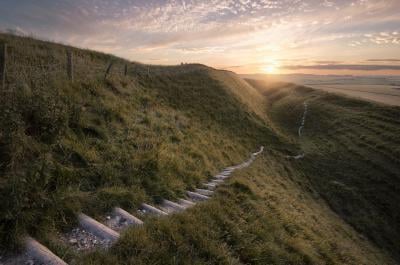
(100, 142)
(352, 156)
(94, 143)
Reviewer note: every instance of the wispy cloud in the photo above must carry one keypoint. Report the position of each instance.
(358, 67)
(216, 32)
(384, 60)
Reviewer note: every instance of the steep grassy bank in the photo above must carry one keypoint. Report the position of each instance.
(95, 143)
(352, 156)
(260, 217)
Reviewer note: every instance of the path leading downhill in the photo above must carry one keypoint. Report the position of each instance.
(299, 131)
(92, 234)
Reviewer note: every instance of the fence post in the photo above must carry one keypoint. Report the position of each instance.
(108, 70)
(3, 59)
(70, 66)
(126, 70)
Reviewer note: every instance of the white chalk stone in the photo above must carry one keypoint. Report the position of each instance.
(204, 192)
(186, 203)
(153, 209)
(197, 196)
(97, 228)
(221, 176)
(39, 252)
(176, 207)
(210, 186)
(130, 219)
(217, 181)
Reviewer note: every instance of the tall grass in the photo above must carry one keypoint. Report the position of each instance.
(97, 143)
(351, 157)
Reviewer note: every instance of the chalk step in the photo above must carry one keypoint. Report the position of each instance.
(217, 181)
(204, 192)
(219, 176)
(153, 210)
(170, 206)
(186, 203)
(197, 196)
(130, 219)
(97, 228)
(210, 186)
(259, 152)
(40, 253)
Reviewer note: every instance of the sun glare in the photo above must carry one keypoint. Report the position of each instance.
(271, 67)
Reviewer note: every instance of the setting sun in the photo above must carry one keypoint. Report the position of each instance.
(270, 69)
(271, 66)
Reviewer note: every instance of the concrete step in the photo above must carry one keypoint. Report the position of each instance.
(217, 181)
(40, 253)
(153, 210)
(129, 218)
(204, 192)
(97, 228)
(196, 196)
(210, 186)
(260, 151)
(172, 206)
(186, 203)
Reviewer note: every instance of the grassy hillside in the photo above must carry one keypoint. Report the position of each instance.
(352, 156)
(97, 142)
(261, 217)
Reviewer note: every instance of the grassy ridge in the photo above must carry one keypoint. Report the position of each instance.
(97, 143)
(93, 144)
(260, 217)
(352, 157)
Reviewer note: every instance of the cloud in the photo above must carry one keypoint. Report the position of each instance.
(224, 32)
(384, 60)
(327, 62)
(355, 67)
(378, 38)
(17, 31)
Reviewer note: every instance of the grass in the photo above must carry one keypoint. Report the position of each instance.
(258, 218)
(97, 143)
(352, 157)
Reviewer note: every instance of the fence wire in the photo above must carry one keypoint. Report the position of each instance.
(28, 70)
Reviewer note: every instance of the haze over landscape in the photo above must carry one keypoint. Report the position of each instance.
(175, 132)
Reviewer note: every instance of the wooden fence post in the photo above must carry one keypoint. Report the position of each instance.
(3, 60)
(126, 70)
(108, 70)
(70, 66)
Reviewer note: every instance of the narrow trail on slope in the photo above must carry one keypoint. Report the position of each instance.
(93, 234)
(299, 131)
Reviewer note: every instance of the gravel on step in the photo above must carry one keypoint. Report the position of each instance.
(82, 240)
(116, 223)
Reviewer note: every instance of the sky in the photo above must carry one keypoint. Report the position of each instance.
(359, 37)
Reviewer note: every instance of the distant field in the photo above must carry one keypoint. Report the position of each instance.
(382, 89)
(378, 93)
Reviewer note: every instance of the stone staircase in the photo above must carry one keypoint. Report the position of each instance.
(92, 233)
